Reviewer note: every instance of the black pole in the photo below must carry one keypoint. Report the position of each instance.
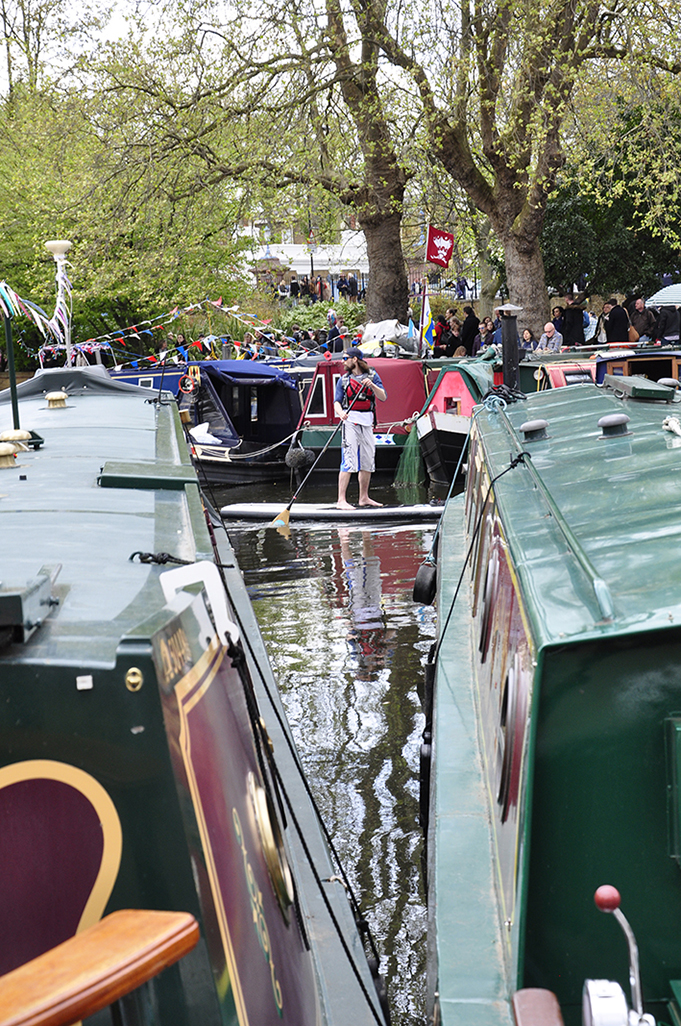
(10, 370)
(509, 341)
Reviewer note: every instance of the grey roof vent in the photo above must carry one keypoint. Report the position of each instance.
(614, 425)
(534, 430)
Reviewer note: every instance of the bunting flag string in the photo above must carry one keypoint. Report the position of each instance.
(53, 329)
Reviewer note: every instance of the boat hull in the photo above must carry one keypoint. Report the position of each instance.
(554, 722)
(135, 770)
(442, 437)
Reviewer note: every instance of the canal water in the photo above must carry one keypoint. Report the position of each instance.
(347, 645)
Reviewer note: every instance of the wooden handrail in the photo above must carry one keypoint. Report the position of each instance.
(536, 1007)
(95, 968)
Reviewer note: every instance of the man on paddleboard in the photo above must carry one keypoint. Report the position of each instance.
(355, 404)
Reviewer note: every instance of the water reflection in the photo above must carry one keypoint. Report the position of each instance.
(347, 643)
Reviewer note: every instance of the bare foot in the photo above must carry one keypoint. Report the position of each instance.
(370, 502)
(344, 505)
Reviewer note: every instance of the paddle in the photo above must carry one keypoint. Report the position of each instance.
(282, 519)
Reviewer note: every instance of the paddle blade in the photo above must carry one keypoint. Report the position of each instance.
(281, 519)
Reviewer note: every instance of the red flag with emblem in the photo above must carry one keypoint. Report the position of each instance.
(439, 246)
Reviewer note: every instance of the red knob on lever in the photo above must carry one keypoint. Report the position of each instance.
(607, 898)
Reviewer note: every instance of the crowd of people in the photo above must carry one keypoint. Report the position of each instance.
(334, 338)
(572, 324)
(319, 289)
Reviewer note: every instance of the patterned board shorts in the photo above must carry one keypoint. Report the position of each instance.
(358, 448)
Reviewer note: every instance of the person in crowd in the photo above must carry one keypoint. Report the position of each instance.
(441, 324)
(601, 338)
(343, 286)
(469, 329)
(529, 341)
(459, 352)
(644, 320)
(343, 333)
(668, 324)
(590, 328)
(327, 292)
(616, 323)
(353, 288)
(246, 348)
(305, 289)
(448, 341)
(483, 338)
(573, 322)
(355, 405)
(358, 336)
(282, 291)
(334, 338)
(557, 318)
(551, 340)
(294, 290)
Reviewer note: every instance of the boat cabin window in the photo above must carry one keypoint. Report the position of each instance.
(654, 368)
(236, 404)
(145, 382)
(452, 404)
(577, 377)
(254, 404)
(317, 404)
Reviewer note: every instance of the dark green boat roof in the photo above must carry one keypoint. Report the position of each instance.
(620, 499)
(68, 505)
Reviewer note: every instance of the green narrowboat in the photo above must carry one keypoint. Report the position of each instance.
(145, 761)
(551, 762)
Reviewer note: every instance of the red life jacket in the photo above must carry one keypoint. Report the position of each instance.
(351, 387)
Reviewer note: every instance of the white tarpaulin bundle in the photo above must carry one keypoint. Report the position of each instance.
(378, 333)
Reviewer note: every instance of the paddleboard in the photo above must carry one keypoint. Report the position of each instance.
(267, 511)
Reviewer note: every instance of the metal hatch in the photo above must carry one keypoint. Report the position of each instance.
(23, 609)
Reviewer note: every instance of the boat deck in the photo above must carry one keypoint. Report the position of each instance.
(473, 985)
(53, 497)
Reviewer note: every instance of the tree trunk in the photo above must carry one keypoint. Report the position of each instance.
(526, 283)
(489, 277)
(387, 292)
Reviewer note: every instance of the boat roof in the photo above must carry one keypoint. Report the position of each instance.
(477, 374)
(619, 498)
(245, 372)
(113, 477)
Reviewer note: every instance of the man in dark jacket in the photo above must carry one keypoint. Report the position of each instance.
(469, 329)
(573, 323)
(616, 323)
(668, 325)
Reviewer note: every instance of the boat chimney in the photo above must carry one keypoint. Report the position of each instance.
(534, 430)
(614, 425)
(509, 342)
